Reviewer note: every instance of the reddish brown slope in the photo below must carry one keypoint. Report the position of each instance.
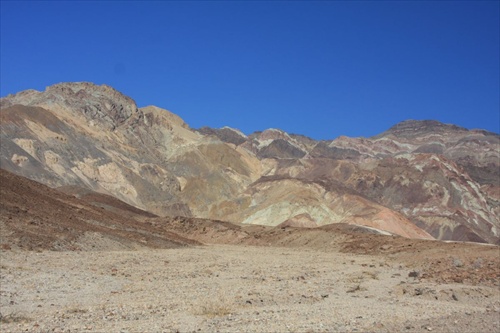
(34, 216)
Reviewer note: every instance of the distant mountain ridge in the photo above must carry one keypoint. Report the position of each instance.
(419, 179)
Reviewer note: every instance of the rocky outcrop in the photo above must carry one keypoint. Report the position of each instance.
(274, 143)
(101, 105)
(225, 134)
(419, 179)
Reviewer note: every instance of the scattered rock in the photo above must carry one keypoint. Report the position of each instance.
(414, 274)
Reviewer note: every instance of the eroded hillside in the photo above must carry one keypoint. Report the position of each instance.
(419, 179)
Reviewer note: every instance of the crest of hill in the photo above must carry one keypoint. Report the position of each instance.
(171, 117)
(97, 103)
(414, 128)
(225, 134)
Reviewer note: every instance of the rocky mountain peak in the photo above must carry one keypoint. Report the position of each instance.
(275, 143)
(235, 130)
(97, 103)
(225, 134)
(412, 128)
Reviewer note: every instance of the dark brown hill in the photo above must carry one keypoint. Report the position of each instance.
(36, 217)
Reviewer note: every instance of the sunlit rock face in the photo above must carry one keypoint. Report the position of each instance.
(419, 179)
(93, 136)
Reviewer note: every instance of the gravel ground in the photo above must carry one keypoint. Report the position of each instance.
(223, 288)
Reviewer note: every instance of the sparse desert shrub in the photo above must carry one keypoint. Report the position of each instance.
(216, 307)
(457, 262)
(371, 275)
(360, 277)
(76, 309)
(356, 288)
(14, 318)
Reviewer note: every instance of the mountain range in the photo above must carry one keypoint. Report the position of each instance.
(418, 179)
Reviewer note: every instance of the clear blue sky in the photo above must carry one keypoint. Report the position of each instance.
(321, 69)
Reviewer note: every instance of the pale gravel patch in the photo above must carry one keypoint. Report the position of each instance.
(260, 289)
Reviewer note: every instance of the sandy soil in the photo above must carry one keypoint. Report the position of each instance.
(231, 288)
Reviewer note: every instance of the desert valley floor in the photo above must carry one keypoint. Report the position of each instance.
(231, 288)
